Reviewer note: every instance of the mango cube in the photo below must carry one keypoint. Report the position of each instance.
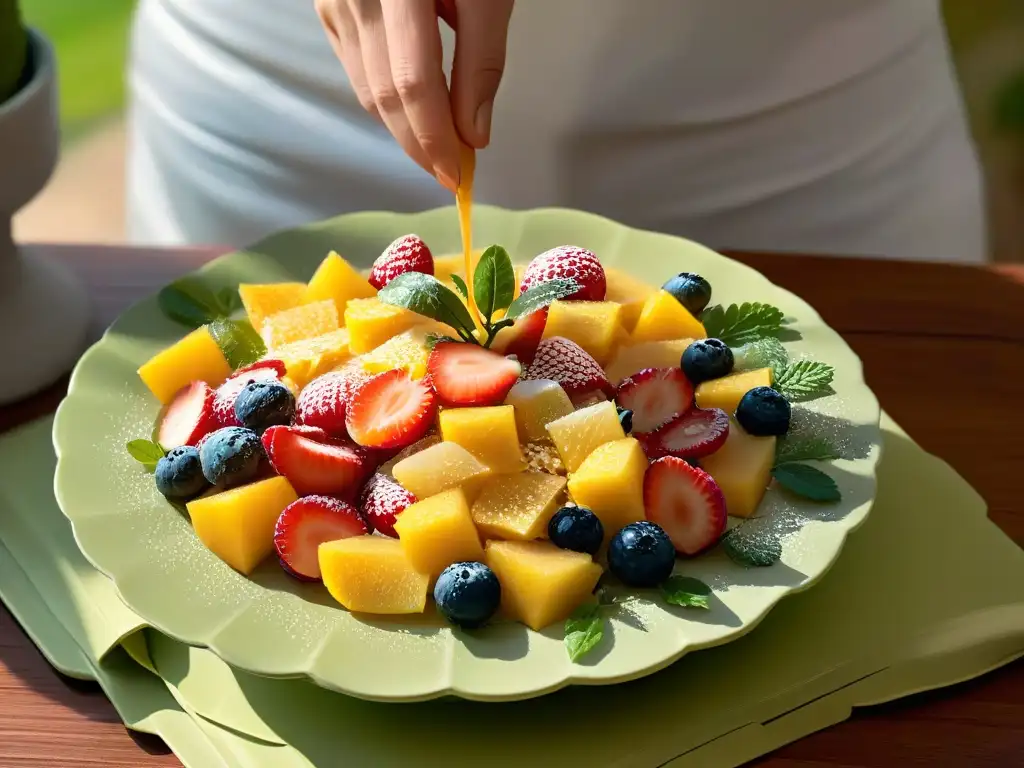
(438, 531)
(338, 281)
(299, 323)
(610, 482)
(742, 467)
(633, 358)
(537, 403)
(663, 317)
(371, 322)
(540, 583)
(407, 350)
(193, 358)
(594, 325)
(578, 434)
(726, 392)
(261, 300)
(238, 525)
(438, 468)
(628, 291)
(518, 506)
(372, 574)
(309, 358)
(488, 433)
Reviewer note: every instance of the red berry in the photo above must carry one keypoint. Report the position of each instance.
(686, 502)
(323, 402)
(698, 432)
(382, 501)
(407, 254)
(307, 523)
(391, 410)
(227, 393)
(568, 261)
(526, 334)
(189, 417)
(465, 374)
(566, 362)
(314, 464)
(655, 396)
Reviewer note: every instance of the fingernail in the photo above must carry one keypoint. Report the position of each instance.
(482, 122)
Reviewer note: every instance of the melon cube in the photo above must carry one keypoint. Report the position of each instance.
(540, 583)
(371, 322)
(372, 574)
(518, 506)
(742, 467)
(309, 358)
(438, 468)
(726, 392)
(663, 317)
(632, 358)
(610, 481)
(578, 434)
(238, 525)
(338, 281)
(261, 300)
(537, 402)
(302, 322)
(628, 291)
(193, 358)
(594, 325)
(488, 433)
(438, 531)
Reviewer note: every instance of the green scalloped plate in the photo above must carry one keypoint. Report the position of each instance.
(272, 625)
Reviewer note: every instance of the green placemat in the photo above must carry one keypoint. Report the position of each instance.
(927, 593)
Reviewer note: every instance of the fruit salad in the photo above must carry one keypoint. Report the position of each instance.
(578, 430)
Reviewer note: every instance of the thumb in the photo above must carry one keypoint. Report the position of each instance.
(480, 42)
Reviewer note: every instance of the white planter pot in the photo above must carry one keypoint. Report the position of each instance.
(44, 311)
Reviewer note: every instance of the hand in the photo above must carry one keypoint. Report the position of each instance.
(391, 50)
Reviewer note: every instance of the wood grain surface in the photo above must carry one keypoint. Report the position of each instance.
(943, 348)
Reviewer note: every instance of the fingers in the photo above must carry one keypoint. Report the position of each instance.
(341, 33)
(480, 43)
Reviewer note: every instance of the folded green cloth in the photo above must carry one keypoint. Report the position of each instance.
(927, 593)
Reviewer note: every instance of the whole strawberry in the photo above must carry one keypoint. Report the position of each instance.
(381, 501)
(323, 402)
(407, 254)
(565, 262)
(566, 362)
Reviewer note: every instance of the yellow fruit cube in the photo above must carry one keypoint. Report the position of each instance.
(540, 583)
(407, 350)
(371, 322)
(238, 525)
(726, 392)
(610, 481)
(537, 403)
(742, 467)
(372, 574)
(299, 323)
(632, 358)
(338, 281)
(663, 317)
(594, 325)
(438, 531)
(309, 358)
(488, 433)
(518, 506)
(261, 300)
(628, 291)
(578, 434)
(193, 358)
(438, 468)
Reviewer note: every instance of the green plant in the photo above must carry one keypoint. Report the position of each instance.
(13, 48)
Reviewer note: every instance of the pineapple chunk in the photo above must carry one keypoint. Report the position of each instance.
(309, 358)
(371, 322)
(594, 325)
(193, 358)
(518, 506)
(488, 433)
(439, 531)
(611, 483)
(726, 392)
(578, 434)
(662, 317)
(238, 525)
(537, 403)
(631, 293)
(337, 280)
(299, 323)
(261, 300)
(372, 574)
(633, 358)
(540, 583)
(407, 350)
(742, 467)
(438, 468)
(543, 457)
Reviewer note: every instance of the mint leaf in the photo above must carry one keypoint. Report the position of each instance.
(687, 592)
(494, 281)
(804, 379)
(583, 630)
(433, 339)
(758, 549)
(806, 481)
(742, 323)
(146, 452)
(540, 296)
(228, 300)
(809, 449)
(188, 303)
(460, 286)
(426, 295)
(763, 353)
(238, 341)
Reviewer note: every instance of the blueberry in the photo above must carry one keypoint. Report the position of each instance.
(179, 474)
(691, 290)
(467, 594)
(263, 404)
(706, 359)
(576, 528)
(230, 456)
(625, 419)
(641, 555)
(763, 411)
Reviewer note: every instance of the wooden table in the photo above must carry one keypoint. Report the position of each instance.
(943, 348)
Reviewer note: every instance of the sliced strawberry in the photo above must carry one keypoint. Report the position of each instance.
(307, 523)
(568, 261)
(407, 254)
(227, 393)
(391, 410)
(566, 362)
(323, 402)
(655, 396)
(189, 417)
(315, 465)
(525, 335)
(382, 501)
(686, 502)
(465, 374)
(698, 432)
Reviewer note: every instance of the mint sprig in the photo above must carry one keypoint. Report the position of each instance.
(426, 295)
(494, 282)
(460, 286)
(238, 341)
(740, 324)
(763, 353)
(191, 303)
(809, 449)
(146, 452)
(804, 380)
(686, 592)
(752, 549)
(540, 296)
(584, 629)
(806, 481)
